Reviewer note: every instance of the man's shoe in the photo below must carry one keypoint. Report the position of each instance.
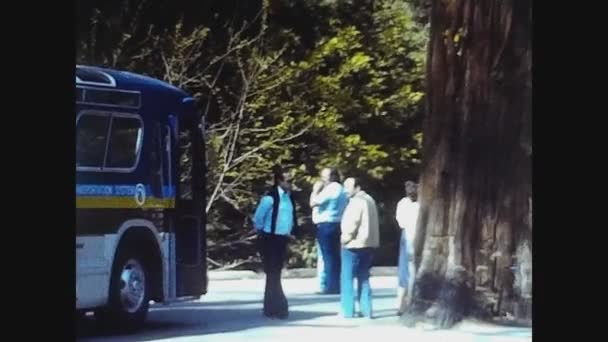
(269, 315)
(323, 293)
(282, 315)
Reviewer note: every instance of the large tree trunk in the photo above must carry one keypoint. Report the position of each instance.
(475, 229)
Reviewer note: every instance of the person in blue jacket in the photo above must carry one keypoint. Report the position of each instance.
(275, 220)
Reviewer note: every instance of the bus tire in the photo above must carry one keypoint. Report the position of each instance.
(130, 287)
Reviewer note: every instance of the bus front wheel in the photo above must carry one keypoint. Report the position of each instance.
(129, 299)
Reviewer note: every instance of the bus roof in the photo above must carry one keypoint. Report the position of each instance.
(110, 78)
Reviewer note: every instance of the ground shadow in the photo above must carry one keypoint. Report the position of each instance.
(203, 318)
(294, 300)
(192, 320)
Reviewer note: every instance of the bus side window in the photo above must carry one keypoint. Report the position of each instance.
(156, 160)
(125, 142)
(185, 164)
(91, 135)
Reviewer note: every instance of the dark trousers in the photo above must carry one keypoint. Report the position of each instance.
(328, 235)
(273, 250)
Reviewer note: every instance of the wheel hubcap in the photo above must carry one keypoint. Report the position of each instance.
(133, 286)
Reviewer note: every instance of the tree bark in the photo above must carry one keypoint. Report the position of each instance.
(473, 251)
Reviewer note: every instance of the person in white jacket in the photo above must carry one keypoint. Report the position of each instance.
(407, 216)
(321, 274)
(360, 238)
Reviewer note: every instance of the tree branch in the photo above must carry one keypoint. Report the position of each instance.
(266, 144)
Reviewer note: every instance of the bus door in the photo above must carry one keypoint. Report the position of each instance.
(189, 220)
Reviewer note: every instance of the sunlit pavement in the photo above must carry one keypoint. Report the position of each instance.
(231, 311)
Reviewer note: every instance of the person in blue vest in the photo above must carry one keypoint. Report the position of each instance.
(331, 200)
(275, 220)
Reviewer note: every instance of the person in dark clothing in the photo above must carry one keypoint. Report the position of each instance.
(275, 219)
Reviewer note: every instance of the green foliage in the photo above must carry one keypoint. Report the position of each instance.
(361, 80)
(345, 90)
(302, 253)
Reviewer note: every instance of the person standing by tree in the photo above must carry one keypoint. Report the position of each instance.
(275, 219)
(360, 237)
(321, 274)
(406, 215)
(331, 201)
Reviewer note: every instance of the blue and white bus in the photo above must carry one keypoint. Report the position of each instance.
(140, 195)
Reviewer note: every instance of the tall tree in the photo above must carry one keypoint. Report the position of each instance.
(474, 236)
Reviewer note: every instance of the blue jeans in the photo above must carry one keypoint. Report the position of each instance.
(321, 274)
(356, 264)
(403, 263)
(328, 236)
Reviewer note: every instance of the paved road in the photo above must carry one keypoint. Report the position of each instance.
(232, 312)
